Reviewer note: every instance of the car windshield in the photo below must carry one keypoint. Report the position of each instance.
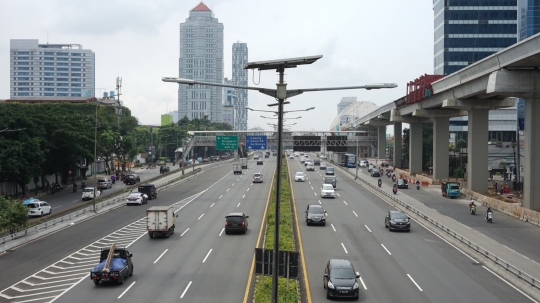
(316, 210)
(329, 180)
(88, 190)
(236, 219)
(134, 195)
(398, 216)
(327, 187)
(299, 174)
(342, 273)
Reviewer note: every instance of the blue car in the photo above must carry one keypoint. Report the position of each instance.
(30, 200)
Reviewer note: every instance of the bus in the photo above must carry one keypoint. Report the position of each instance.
(350, 160)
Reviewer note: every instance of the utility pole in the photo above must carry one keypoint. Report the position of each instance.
(118, 93)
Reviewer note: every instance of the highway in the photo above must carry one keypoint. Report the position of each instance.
(199, 263)
(394, 266)
(511, 232)
(67, 198)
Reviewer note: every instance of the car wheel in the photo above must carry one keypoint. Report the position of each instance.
(328, 294)
(324, 284)
(96, 282)
(226, 232)
(385, 226)
(50, 211)
(131, 272)
(121, 280)
(41, 214)
(408, 230)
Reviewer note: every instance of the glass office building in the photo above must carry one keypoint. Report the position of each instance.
(50, 70)
(466, 31)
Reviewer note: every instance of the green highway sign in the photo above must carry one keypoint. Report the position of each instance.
(226, 142)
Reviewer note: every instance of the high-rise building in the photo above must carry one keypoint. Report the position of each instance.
(240, 77)
(201, 59)
(345, 101)
(466, 31)
(229, 99)
(50, 70)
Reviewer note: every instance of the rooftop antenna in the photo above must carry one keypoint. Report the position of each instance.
(47, 37)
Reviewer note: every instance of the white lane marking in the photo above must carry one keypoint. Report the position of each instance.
(333, 226)
(212, 204)
(386, 249)
(320, 202)
(220, 197)
(309, 182)
(338, 194)
(221, 231)
(345, 202)
(238, 205)
(312, 187)
(248, 189)
(119, 297)
(365, 288)
(200, 217)
(233, 184)
(207, 255)
(228, 189)
(243, 196)
(355, 213)
(315, 194)
(496, 275)
(160, 256)
(344, 248)
(367, 228)
(187, 287)
(184, 232)
(446, 241)
(414, 282)
(237, 179)
(251, 183)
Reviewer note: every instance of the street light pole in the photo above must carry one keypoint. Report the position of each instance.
(95, 158)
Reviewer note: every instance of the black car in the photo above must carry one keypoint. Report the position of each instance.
(132, 179)
(316, 162)
(340, 279)
(315, 214)
(329, 171)
(330, 180)
(148, 189)
(402, 183)
(375, 173)
(259, 162)
(236, 222)
(397, 220)
(164, 169)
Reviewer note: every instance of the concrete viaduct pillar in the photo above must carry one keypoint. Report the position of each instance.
(415, 148)
(441, 135)
(398, 144)
(381, 142)
(531, 188)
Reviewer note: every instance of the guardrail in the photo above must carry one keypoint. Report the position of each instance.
(90, 209)
(484, 252)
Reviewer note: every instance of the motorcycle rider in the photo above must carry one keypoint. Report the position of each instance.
(379, 182)
(489, 211)
(74, 187)
(418, 184)
(394, 189)
(471, 204)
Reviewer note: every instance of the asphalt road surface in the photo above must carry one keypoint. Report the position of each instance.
(394, 266)
(198, 263)
(511, 232)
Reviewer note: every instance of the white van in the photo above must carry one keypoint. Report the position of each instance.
(363, 163)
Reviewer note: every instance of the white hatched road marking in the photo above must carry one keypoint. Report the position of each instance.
(56, 279)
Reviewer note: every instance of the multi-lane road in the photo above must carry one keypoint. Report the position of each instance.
(199, 263)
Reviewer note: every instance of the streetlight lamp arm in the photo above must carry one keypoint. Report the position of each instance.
(368, 87)
(193, 82)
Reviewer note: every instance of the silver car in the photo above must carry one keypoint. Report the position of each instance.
(299, 177)
(104, 183)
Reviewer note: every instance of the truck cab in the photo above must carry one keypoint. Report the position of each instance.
(450, 189)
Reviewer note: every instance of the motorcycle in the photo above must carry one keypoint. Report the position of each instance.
(394, 189)
(489, 216)
(473, 210)
(418, 185)
(74, 187)
(380, 182)
(393, 178)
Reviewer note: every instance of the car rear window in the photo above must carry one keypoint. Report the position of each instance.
(235, 219)
(330, 169)
(315, 210)
(256, 175)
(343, 273)
(33, 205)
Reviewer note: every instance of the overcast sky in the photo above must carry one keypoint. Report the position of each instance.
(362, 41)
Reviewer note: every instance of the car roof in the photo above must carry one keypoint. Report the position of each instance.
(396, 212)
(146, 185)
(314, 206)
(340, 263)
(235, 215)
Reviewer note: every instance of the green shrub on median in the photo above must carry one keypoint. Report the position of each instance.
(286, 242)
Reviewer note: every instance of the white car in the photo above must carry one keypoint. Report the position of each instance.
(39, 208)
(257, 178)
(291, 157)
(310, 167)
(88, 193)
(255, 157)
(363, 163)
(299, 177)
(136, 198)
(327, 191)
(302, 160)
(104, 183)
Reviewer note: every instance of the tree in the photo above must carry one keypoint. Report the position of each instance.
(405, 150)
(13, 214)
(427, 145)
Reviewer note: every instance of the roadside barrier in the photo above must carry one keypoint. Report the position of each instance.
(119, 201)
(521, 275)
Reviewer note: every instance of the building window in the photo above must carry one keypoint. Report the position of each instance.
(62, 75)
(48, 63)
(48, 89)
(62, 95)
(48, 94)
(62, 59)
(23, 68)
(75, 64)
(62, 64)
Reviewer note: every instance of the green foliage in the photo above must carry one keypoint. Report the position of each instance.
(427, 145)
(457, 173)
(406, 141)
(286, 242)
(13, 214)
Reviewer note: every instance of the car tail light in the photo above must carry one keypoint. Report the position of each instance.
(226, 223)
(243, 223)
